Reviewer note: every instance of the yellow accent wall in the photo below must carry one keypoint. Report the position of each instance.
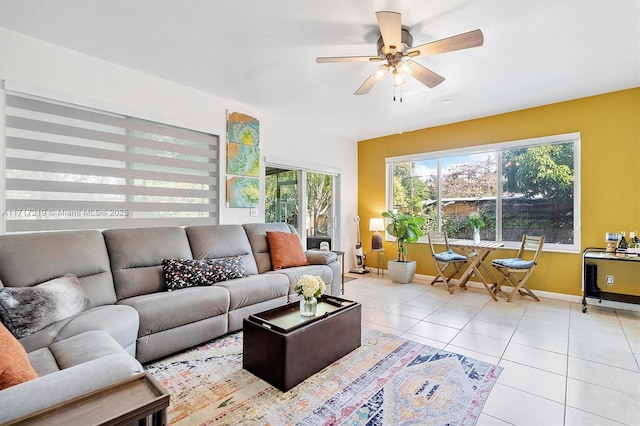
(609, 125)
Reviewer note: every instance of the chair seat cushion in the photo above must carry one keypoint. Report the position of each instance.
(513, 263)
(450, 256)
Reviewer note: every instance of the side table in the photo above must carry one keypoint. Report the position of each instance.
(133, 399)
(380, 253)
(341, 255)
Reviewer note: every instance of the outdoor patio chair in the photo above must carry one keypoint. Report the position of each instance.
(517, 270)
(448, 262)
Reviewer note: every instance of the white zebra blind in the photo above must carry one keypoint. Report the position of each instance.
(70, 167)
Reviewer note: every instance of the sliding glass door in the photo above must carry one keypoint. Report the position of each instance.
(289, 192)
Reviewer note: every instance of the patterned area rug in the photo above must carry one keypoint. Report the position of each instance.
(387, 381)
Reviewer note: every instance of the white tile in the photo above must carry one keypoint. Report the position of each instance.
(533, 380)
(442, 318)
(369, 314)
(608, 403)
(604, 375)
(478, 342)
(490, 329)
(425, 341)
(472, 354)
(603, 354)
(434, 331)
(382, 328)
(487, 420)
(575, 417)
(542, 340)
(521, 408)
(538, 358)
(413, 311)
(395, 321)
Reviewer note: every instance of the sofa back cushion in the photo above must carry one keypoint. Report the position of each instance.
(30, 259)
(25, 310)
(136, 257)
(219, 241)
(257, 235)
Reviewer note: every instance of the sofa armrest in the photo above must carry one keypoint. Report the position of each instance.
(51, 389)
(320, 257)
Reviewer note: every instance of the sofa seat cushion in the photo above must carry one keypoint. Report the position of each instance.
(25, 310)
(81, 348)
(166, 310)
(255, 289)
(293, 274)
(119, 322)
(15, 367)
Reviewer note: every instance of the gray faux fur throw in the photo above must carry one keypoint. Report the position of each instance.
(25, 310)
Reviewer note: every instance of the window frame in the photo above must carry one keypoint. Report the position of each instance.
(574, 137)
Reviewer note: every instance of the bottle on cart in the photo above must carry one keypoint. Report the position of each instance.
(622, 245)
(632, 245)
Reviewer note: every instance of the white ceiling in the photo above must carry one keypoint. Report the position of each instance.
(262, 52)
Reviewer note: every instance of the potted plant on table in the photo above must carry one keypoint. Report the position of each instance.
(406, 229)
(476, 222)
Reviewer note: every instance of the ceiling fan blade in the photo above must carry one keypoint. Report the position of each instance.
(461, 41)
(390, 29)
(366, 86)
(331, 59)
(425, 75)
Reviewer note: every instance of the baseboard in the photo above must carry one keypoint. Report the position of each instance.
(558, 296)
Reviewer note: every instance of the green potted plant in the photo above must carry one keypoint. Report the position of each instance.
(406, 229)
(476, 222)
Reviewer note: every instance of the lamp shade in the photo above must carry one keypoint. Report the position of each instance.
(376, 224)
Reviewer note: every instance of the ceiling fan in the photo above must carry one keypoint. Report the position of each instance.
(395, 48)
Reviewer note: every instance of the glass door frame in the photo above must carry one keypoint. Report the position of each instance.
(333, 228)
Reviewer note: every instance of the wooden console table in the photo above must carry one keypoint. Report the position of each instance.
(134, 399)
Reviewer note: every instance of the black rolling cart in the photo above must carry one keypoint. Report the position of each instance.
(591, 258)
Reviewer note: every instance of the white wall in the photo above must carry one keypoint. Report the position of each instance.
(51, 70)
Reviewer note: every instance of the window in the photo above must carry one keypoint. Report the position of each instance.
(70, 167)
(522, 187)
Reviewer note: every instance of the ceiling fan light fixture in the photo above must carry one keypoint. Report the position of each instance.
(398, 78)
(381, 72)
(404, 68)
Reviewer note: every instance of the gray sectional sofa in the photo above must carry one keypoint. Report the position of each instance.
(132, 318)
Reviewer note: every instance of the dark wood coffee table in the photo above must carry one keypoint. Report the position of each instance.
(283, 348)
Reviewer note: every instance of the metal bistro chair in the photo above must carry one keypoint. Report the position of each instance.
(517, 270)
(448, 262)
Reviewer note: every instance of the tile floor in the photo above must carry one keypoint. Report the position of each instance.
(561, 367)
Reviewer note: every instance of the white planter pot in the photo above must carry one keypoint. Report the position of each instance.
(401, 272)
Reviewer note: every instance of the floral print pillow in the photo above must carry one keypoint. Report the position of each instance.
(184, 273)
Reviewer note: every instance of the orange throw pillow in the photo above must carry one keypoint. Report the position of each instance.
(14, 362)
(286, 250)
